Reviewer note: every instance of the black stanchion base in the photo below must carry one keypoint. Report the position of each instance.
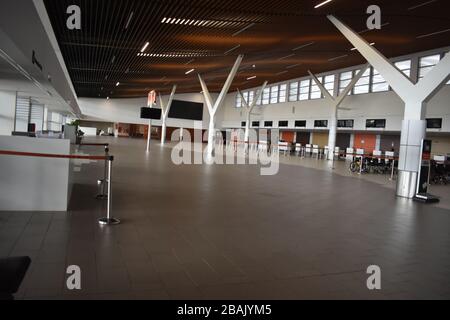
(426, 198)
(108, 221)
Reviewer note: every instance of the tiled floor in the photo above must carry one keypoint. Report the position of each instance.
(225, 232)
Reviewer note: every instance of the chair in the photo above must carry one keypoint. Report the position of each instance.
(350, 153)
(308, 149)
(12, 273)
(315, 151)
(283, 147)
(298, 148)
(337, 152)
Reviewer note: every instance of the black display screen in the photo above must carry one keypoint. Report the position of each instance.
(376, 123)
(300, 123)
(186, 110)
(434, 123)
(151, 113)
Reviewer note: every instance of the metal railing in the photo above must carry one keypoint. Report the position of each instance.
(107, 179)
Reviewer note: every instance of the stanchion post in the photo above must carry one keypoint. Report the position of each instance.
(102, 183)
(109, 220)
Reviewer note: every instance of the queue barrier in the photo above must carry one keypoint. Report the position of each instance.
(108, 220)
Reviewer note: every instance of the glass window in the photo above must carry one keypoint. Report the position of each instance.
(300, 123)
(238, 100)
(344, 80)
(251, 97)
(404, 66)
(258, 102)
(427, 63)
(315, 90)
(245, 94)
(304, 89)
(328, 82)
(435, 123)
(274, 94)
(379, 84)
(321, 123)
(293, 91)
(363, 84)
(376, 123)
(266, 96)
(345, 123)
(282, 94)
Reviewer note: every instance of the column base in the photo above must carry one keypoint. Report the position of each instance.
(406, 184)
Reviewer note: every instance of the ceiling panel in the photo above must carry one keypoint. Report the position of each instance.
(208, 35)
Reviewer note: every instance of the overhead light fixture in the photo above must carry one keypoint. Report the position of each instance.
(337, 58)
(107, 98)
(232, 49)
(190, 71)
(251, 78)
(163, 20)
(145, 46)
(432, 34)
(129, 20)
(303, 46)
(285, 57)
(322, 4)
(117, 84)
(243, 29)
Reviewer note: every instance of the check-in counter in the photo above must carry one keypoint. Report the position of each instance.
(34, 183)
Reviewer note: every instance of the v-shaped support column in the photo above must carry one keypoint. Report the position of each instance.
(335, 103)
(248, 109)
(165, 112)
(415, 97)
(214, 106)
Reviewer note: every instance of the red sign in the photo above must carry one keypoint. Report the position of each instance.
(151, 98)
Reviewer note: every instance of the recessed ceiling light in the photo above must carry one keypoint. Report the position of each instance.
(163, 20)
(432, 34)
(303, 46)
(117, 84)
(232, 49)
(187, 72)
(129, 20)
(145, 46)
(322, 4)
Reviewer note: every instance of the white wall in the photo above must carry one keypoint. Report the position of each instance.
(34, 184)
(383, 105)
(128, 110)
(7, 112)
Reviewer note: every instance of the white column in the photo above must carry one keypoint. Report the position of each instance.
(213, 107)
(332, 135)
(248, 109)
(7, 112)
(413, 132)
(149, 135)
(335, 104)
(415, 97)
(165, 112)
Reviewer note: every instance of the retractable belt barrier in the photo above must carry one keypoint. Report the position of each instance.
(108, 220)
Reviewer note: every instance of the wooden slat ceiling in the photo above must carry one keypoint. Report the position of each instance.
(270, 33)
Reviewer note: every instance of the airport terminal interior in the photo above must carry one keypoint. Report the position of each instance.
(224, 150)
